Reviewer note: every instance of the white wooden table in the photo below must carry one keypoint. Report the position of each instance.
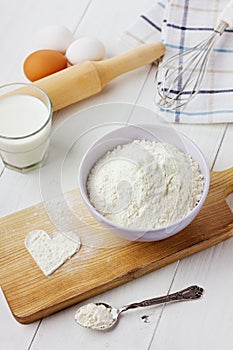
(203, 324)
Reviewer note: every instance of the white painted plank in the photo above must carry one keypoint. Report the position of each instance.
(1, 167)
(225, 158)
(206, 323)
(109, 19)
(60, 331)
(12, 334)
(225, 155)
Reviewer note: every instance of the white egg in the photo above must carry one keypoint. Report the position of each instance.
(54, 37)
(85, 49)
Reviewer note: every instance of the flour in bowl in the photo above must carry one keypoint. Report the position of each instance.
(145, 185)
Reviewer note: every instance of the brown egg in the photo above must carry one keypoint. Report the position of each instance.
(42, 63)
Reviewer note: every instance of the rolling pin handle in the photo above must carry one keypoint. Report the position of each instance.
(126, 62)
(86, 79)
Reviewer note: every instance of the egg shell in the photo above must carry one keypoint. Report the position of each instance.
(42, 63)
(54, 37)
(85, 49)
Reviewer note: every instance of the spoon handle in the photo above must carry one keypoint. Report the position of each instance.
(192, 292)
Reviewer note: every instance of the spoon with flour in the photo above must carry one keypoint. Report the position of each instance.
(102, 316)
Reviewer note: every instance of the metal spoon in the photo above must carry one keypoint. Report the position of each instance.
(192, 292)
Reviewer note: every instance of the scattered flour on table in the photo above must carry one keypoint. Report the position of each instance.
(94, 316)
(145, 184)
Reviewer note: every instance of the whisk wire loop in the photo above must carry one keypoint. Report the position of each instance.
(180, 77)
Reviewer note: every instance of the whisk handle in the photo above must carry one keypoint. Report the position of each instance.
(227, 14)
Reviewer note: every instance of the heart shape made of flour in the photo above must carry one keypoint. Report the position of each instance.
(51, 252)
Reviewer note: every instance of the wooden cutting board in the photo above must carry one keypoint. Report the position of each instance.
(104, 263)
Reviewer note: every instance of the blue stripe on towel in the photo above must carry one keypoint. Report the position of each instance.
(151, 23)
(175, 26)
(226, 111)
(189, 28)
(207, 29)
(183, 48)
(203, 92)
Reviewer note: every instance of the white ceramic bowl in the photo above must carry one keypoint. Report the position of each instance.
(124, 135)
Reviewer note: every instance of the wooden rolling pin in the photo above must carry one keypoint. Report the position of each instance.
(88, 78)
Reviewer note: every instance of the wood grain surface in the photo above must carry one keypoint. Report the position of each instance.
(104, 261)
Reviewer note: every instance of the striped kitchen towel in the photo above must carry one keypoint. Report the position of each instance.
(182, 24)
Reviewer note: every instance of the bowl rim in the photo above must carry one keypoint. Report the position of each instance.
(144, 231)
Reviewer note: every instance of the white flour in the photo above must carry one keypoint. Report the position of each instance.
(94, 316)
(145, 184)
(51, 252)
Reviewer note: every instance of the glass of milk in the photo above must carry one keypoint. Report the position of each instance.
(25, 124)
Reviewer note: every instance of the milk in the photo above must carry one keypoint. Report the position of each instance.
(25, 124)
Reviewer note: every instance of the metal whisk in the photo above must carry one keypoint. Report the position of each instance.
(180, 77)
